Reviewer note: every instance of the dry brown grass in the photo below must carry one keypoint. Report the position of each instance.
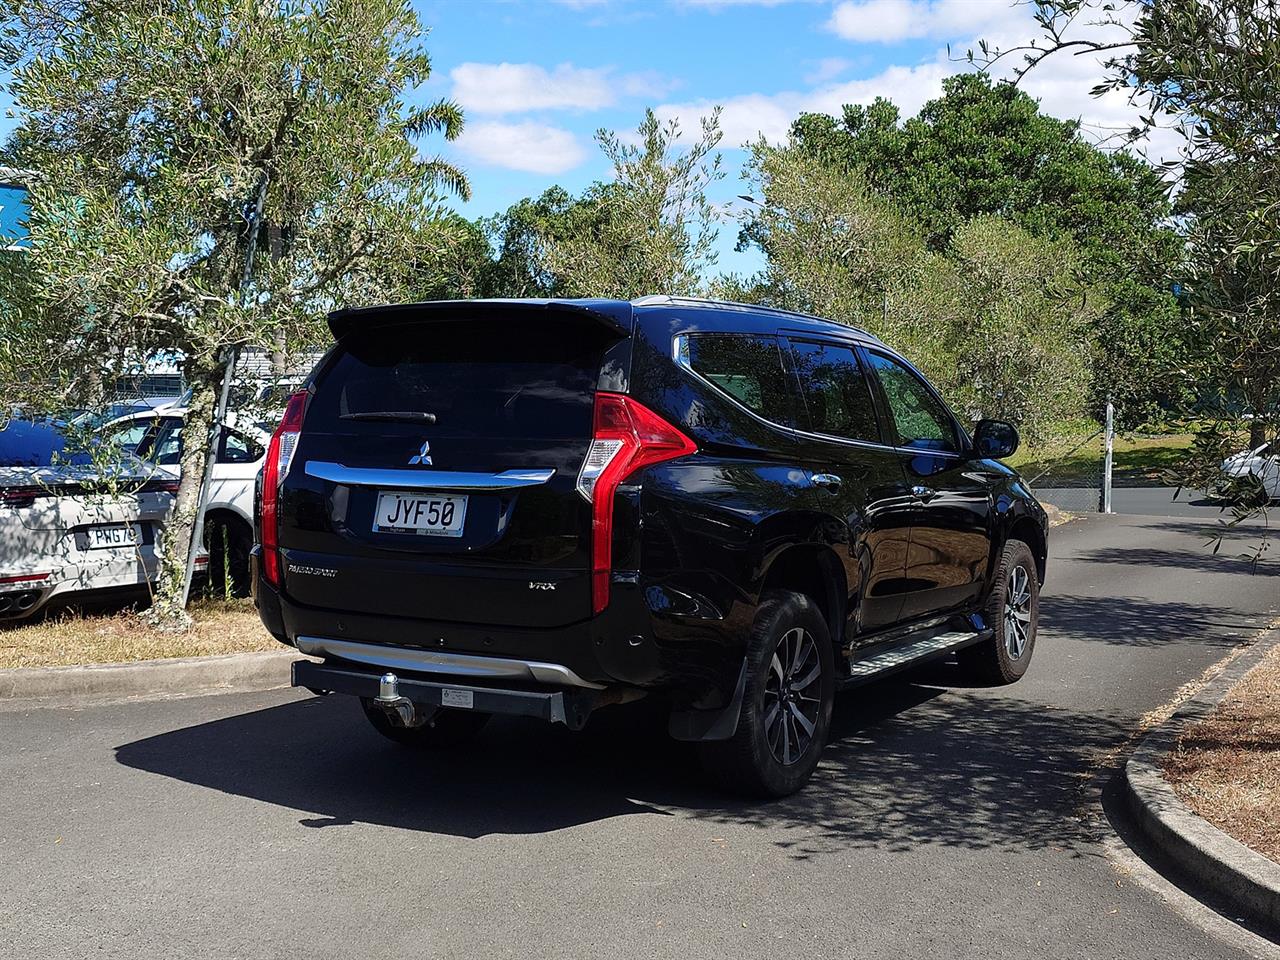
(220, 627)
(1227, 768)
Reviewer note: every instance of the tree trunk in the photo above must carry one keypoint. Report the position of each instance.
(1257, 431)
(205, 380)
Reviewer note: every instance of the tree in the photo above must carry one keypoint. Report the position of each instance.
(1003, 325)
(834, 247)
(166, 136)
(1000, 320)
(1211, 72)
(984, 148)
(650, 230)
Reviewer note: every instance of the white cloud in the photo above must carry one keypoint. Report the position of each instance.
(534, 147)
(519, 87)
(828, 68)
(889, 21)
(751, 115)
(716, 4)
(522, 87)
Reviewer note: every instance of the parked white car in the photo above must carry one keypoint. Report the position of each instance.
(72, 529)
(1262, 462)
(156, 436)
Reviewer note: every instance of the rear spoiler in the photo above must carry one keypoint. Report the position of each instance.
(614, 316)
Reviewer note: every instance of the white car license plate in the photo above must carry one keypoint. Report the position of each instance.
(432, 515)
(114, 536)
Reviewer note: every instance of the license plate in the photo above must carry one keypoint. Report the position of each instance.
(114, 536)
(430, 515)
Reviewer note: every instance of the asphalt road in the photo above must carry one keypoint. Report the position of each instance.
(1143, 501)
(946, 821)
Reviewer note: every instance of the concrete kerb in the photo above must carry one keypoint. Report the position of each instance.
(1223, 867)
(29, 688)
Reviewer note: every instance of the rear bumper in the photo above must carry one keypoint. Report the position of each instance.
(570, 707)
(696, 661)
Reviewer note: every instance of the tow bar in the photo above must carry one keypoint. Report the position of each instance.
(399, 710)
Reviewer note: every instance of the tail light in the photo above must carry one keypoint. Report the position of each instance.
(279, 455)
(627, 437)
(24, 578)
(21, 497)
(161, 486)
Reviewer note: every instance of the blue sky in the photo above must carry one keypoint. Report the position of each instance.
(536, 78)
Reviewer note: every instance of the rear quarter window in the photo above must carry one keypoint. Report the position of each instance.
(746, 367)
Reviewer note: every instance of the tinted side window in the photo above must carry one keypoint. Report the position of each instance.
(920, 417)
(747, 368)
(835, 390)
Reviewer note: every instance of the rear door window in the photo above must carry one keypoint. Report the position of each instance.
(748, 368)
(476, 379)
(837, 396)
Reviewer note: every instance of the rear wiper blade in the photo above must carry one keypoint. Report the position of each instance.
(411, 416)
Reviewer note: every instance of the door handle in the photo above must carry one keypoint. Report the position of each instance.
(828, 481)
(923, 493)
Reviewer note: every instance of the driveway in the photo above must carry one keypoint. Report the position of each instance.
(947, 821)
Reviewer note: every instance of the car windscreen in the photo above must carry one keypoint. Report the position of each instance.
(39, 444)
(475, 378)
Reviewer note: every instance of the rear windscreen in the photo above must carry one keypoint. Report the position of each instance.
(27, 444)
(478, 379)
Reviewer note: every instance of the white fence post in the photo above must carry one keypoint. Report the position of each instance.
(1109, 449)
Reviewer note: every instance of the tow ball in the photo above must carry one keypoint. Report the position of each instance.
(399, 710)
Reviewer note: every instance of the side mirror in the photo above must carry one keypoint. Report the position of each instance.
(995, 439)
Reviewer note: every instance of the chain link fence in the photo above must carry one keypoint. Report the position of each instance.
(1074, 475)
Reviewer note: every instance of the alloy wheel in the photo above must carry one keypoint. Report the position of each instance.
(1017, 612)
(792, 696)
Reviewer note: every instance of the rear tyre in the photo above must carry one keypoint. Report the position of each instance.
(786, 707)
(446, 728)
(1013, 611)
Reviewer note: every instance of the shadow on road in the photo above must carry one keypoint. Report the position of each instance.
(905, 767)
(1226, 560)
(1133, 621)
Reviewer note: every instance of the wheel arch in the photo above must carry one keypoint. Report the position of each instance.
(814, 570)
(225, 513)
(1030, 532)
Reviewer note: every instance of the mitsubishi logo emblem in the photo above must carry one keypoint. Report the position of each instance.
(423, 456)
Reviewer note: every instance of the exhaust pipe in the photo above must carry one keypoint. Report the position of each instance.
(399, 710)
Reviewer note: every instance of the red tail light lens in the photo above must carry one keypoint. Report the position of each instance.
(279, 455)
(20, 497)
(628, 437)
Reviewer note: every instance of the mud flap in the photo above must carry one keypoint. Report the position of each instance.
(711, 724)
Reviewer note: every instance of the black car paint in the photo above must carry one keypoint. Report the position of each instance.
(697, 541)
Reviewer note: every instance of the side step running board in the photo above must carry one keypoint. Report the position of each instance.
(909, 654)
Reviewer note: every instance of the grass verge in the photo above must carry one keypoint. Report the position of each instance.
(1227, 768)
(1138, 460)
(121, 636)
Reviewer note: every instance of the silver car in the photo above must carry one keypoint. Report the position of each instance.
(71, 525)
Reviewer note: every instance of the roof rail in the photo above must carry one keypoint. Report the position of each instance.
(655, 299)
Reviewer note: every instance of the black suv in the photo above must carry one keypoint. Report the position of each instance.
(545, 507)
